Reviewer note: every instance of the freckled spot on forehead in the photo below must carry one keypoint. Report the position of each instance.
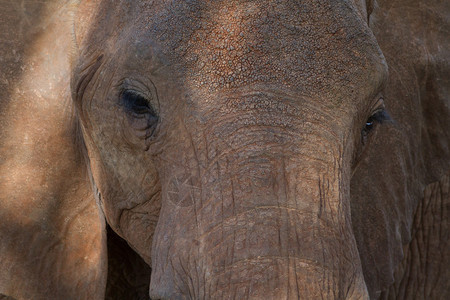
(226, 50)
(316, 48)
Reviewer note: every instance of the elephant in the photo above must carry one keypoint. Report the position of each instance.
(225, 149)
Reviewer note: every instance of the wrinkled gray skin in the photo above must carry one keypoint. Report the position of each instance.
(247, 176)
(256, 163)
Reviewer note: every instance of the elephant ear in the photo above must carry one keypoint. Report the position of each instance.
(53, 243)
(412, 151)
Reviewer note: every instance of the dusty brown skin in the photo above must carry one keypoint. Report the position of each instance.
(240, 149)
(52, 241)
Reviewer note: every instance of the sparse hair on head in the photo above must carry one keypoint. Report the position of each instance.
(73, 7)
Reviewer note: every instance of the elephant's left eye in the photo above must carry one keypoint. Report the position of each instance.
(377, 118)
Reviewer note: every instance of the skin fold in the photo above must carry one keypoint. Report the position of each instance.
(241, 149)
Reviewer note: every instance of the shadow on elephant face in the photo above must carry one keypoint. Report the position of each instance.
(241, 148)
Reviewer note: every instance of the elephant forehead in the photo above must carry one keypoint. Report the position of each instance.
(312, 46)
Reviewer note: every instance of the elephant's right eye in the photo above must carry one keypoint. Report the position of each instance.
(136, 104)
(141, 114)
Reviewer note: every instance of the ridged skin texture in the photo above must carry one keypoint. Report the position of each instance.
(243, 149)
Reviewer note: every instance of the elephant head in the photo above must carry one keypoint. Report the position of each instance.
(244, 149)
(222, 138)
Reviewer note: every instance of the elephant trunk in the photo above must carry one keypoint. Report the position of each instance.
(281, 253)
(285, 242)
(267, 216)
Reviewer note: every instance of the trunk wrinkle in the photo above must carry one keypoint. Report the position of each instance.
(304, 261)
(229, 219)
